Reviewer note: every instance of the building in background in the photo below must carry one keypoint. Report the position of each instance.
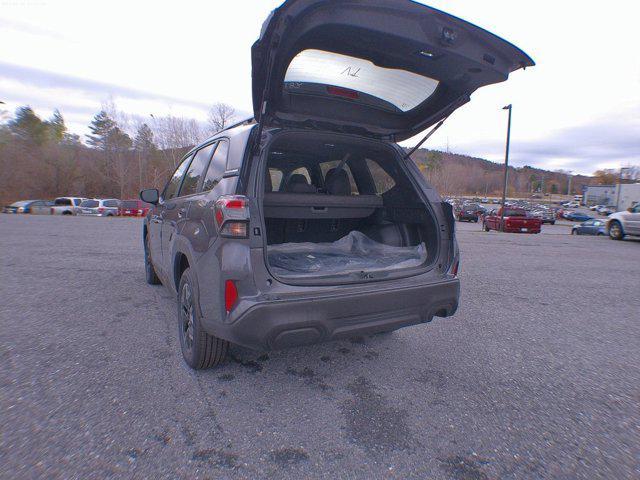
(599, 195)
(627, 195)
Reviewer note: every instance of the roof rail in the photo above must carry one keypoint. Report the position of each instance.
(246, 121)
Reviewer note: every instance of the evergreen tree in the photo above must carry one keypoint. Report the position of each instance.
(28, 126)
(143, 142)
(56, 127)
(102, 128)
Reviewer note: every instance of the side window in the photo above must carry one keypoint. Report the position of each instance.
(196, 170)
(326, 166)
(636, 209)
(382, 179)
(111, 203)
(217, 166)
(77, 201)
(171, 190)
(302, 171)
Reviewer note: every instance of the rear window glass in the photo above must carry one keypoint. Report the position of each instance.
(89, 204)
(217, 166)
(319, 72)
(276, 179)
(515, 213)
(111, 203)
(382, 180)
(63, 201)
(130, 204)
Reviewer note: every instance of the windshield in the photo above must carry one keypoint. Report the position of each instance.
(19, 204)
(317, 72)
(129, 204)
(89, 204)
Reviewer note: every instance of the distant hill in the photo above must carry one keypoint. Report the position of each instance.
(451, 173)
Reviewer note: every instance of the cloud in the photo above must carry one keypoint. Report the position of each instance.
(605, 142)
(99, 90)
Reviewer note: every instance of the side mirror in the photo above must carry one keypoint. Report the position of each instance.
(150, 195)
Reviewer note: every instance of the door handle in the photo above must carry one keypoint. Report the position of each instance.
(182, 212)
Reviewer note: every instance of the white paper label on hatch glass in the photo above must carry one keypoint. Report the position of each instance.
(405, 90)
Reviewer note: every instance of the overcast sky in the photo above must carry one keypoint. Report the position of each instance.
(577, 109)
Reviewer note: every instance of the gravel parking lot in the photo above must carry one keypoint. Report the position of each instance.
(537, 375)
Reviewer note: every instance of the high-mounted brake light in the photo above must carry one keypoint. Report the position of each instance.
(343, 92)
(230, 295)
(231, 213)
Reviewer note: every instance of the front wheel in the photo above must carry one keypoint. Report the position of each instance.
(199, 349)
(615, 230)
(574, 232)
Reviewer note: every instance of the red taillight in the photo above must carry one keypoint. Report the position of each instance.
(230, 295)
(101, 210)
(343, 92)
(232, 216)
(454, 268)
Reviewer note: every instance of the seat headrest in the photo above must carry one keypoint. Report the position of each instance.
(298, 184)
(337, 182)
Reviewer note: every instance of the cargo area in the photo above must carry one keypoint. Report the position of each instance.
(342, 207)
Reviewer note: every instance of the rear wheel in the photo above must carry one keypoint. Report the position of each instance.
(150, 271)
(574, 231)
(615, 230)
(485, 227)
(199, 349)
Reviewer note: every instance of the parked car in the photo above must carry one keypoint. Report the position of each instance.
(99, 207)
(23, 206)
(259, 232)
(546, 216)
(577, 217)
(133, 208)
(620, 224)
(592, 226)
(595, 207)
(606, 211)
(66, 205)
(468, 213)
(572, 204)
(515, 221)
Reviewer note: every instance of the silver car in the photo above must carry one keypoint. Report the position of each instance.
(99, 207)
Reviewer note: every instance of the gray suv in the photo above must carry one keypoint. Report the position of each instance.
(307, 222)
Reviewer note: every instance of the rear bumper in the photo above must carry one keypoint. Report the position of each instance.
(276, 324)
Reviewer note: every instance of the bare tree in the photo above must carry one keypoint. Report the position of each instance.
(175, 134)
(220, 116)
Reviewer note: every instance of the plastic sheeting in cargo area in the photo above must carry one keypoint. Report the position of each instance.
(354, 252)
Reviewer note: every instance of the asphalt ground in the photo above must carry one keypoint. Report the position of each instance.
(536, 376)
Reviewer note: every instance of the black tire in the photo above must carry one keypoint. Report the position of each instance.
(553, 223)
(615, 230)
(67, 213)
(199, 349)
(485, 227)
(574, 231)
(149, 270)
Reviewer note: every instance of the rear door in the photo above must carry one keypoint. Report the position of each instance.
(163, 210)
(633, 220)
(383, 68)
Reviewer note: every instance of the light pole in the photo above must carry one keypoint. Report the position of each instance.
(506, 168)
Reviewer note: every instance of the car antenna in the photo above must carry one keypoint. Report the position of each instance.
(426, 137)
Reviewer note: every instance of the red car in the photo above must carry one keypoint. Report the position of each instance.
(515, 221)
(133, 208)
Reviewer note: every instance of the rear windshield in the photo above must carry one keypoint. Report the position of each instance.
(514, 213)
(63, 201)
(89, 204)
(129, 204)
(317, 72)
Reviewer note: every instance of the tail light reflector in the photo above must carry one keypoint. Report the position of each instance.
(230, 295)
(231, 213)
(454, 268)
(101, 210)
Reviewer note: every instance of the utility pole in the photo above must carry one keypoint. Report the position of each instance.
(506, 167)
(569, 184)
